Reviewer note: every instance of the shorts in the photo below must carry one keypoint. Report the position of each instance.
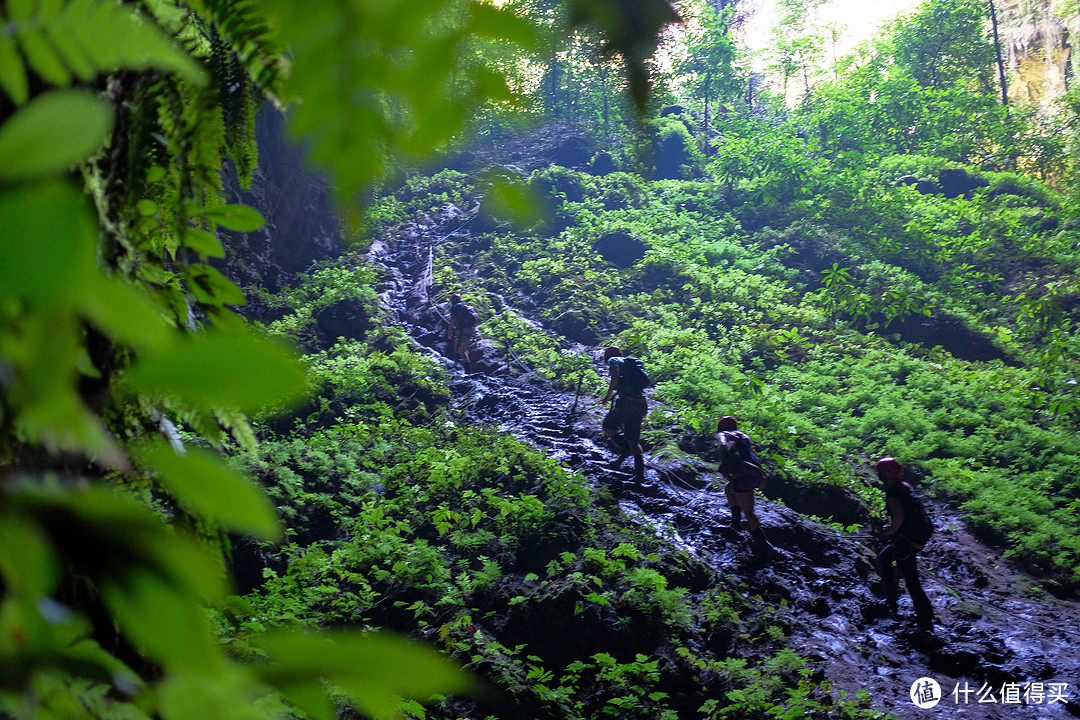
(745, 483)
(627, 413)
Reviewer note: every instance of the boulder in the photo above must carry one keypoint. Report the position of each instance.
(620, 248)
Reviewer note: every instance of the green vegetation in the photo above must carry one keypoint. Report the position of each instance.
(404, 521)
(734, 315)
(882, 262)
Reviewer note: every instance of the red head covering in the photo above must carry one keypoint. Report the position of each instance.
(888, 467)
(726, 422)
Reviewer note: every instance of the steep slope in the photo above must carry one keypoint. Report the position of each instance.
(995, 633)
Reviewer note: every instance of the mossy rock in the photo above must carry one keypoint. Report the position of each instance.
(620, 248)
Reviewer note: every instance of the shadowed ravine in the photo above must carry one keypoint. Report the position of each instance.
(992, 629)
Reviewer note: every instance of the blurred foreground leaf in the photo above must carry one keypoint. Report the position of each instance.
(206, 487)
(53, 132)
(373, 670)
(218, 369)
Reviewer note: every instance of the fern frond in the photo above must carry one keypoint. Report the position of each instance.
(238, 424)
(243, 27)
(64, 41)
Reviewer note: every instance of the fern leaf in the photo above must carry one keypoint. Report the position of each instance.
(12, 75)
(81, 39)
(49, 8)
(43, 59)
(239, 426)
(245, 28)
(19, 10)
(69, 51)
(202, 422)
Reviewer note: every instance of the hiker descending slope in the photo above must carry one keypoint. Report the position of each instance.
(740, 466)
(908, 531)
(627, 384)
(462, 330)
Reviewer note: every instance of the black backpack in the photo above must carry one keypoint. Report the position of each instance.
(918, 527)
(741, 459)
(632, 374)
(465, 314)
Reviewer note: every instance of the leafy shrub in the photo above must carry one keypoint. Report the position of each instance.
(924, 167)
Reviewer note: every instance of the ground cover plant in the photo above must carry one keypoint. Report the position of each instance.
(887, 265)
(752, 319)
(463, 536)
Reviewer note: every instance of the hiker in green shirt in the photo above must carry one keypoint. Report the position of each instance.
(627, 385)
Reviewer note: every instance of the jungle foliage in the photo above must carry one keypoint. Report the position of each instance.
(785, 277)
(401, 516)
(886, 267)
(124, 368)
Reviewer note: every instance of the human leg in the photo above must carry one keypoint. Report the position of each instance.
(762, 546)
(733, 503)
(616, 441)
(461, 345)
(745, 501)
(888, 577)
(635, 413)
(924, 612)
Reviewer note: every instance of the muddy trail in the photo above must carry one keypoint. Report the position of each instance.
(1000, 649)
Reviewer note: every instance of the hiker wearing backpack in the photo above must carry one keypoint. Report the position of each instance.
(741, 467)
(627, 385)
(462, 330)
(908, 531)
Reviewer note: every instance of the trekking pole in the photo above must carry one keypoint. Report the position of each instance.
(577, 394)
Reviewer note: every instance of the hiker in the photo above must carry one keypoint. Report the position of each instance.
(740, 466)
(627, 384)
(907, 535)
(462, 330)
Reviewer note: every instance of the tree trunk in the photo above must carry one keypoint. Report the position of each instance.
(708, 80)
(607, 111)
(997, 49)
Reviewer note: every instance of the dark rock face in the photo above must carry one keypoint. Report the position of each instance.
(602, 164)
(926, 187)
(301, 223)
(955, 182)
(671, 156)
(575, 327)
(827, 501)
(951, 335)
(620, 249)
(573, 152)
(952, 183)
(346, 319)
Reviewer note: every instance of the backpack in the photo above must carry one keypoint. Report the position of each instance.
(917, 524)
(465, 314)
(632, 374)
(741, 461)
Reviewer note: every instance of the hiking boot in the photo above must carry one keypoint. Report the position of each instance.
(639, 467)
(736, 517)
(762, 548)
(619, 444)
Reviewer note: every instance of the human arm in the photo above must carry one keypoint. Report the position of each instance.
(896, 515)
(613, 383)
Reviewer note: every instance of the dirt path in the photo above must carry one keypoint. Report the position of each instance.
(995, 636)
